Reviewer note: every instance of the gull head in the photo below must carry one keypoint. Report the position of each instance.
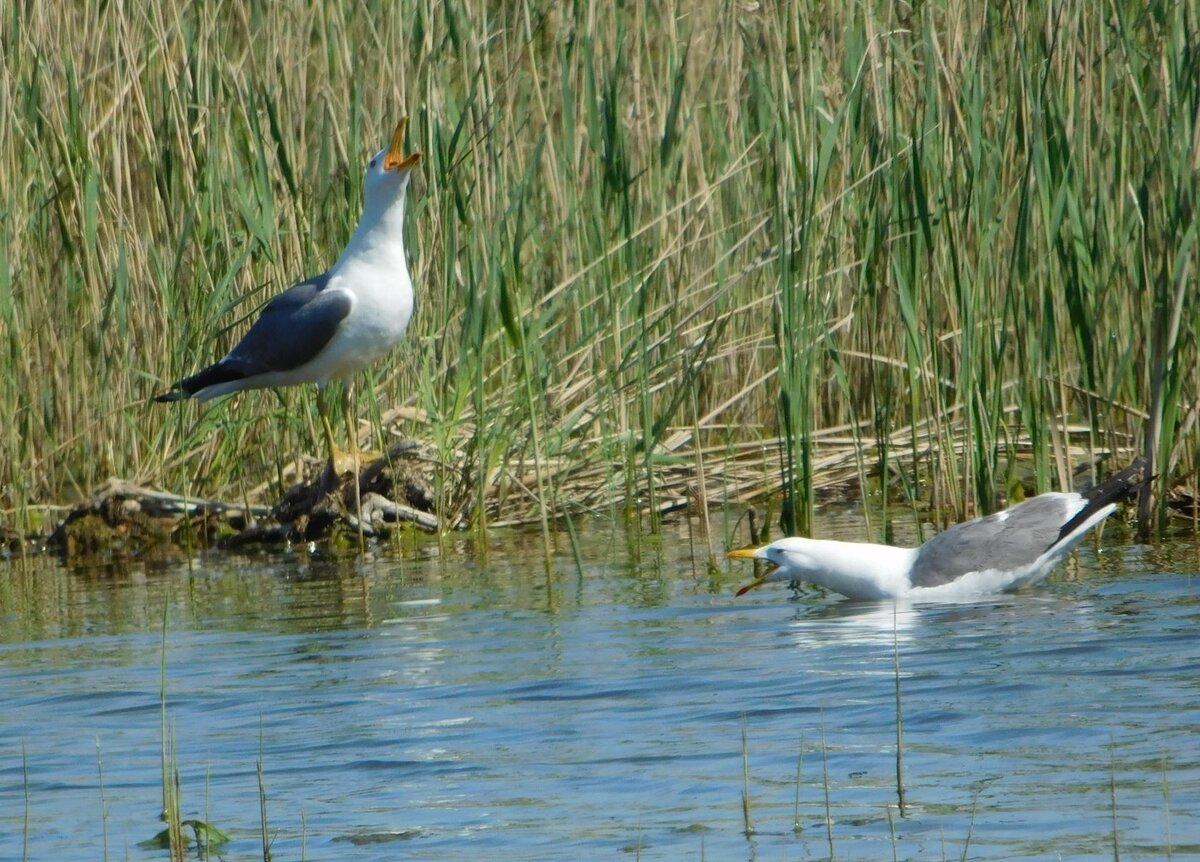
(389, 169)
(788, 559)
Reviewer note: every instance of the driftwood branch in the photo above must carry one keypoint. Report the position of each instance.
(124, 517)
(161, 504)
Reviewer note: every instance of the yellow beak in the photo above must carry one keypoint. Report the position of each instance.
(743, 554)
(394, 159)
(753, 585)
(750, 554)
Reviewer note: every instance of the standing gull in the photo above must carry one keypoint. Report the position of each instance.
(1004, 551)
(333, 325)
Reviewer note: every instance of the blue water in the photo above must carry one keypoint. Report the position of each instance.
(453, 702)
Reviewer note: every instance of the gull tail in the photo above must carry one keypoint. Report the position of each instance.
(1120, 486)
(220, 372)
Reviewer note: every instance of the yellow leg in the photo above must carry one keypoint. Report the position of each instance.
(348, 417)
(340, 461)
(365, 456)
(323, 409)
(355, 455)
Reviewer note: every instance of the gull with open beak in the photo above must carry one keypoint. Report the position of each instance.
(997, 553)
(333, 325)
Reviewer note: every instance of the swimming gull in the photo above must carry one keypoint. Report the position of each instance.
(1003, 551)
(333, 325)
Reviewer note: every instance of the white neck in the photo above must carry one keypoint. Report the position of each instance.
(380, 231)
(858, 570)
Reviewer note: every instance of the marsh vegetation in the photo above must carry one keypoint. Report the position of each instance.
(663, 252)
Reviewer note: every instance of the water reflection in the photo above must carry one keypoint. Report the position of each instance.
(456, 703)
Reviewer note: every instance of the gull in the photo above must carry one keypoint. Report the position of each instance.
(331, 326)
(997, 553)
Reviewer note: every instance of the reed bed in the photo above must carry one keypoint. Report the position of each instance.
(663, 252)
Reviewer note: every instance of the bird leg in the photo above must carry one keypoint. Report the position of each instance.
(341, 462)
(364, 456)
(356, 454)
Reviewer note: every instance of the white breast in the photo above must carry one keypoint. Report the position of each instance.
(382, 305)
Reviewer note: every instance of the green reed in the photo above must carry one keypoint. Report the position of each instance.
(641, 236)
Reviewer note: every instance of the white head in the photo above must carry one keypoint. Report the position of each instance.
(858, 570)
(388, 171)
(790, 559)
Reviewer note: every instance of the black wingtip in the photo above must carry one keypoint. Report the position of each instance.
(1117, 487)
(220, 372)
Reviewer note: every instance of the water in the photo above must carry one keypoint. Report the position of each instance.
(453, 704)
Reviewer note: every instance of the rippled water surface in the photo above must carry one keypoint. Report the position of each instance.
(455, 703)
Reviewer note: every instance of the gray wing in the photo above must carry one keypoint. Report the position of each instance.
(292, 328)
(1006, 540)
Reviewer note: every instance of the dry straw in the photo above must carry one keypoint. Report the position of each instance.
(663, 251)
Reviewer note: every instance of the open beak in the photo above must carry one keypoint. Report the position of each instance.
(751, 554)
(753, 585)
(394, 159)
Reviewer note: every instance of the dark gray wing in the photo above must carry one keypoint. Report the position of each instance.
(291, 329)
(1004, 541)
